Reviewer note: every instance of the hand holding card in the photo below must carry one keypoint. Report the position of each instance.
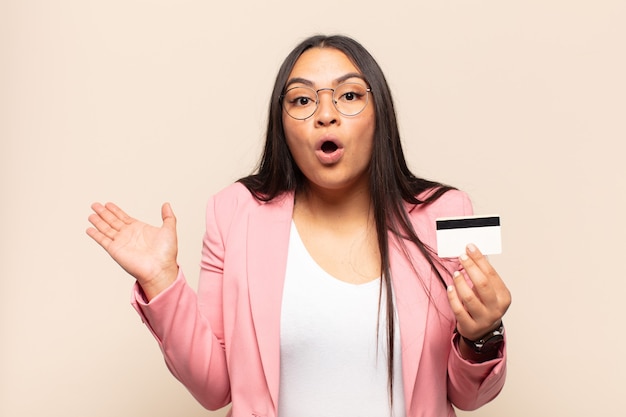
(455, 233)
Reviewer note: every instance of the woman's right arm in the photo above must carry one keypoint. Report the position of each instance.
(166, 303)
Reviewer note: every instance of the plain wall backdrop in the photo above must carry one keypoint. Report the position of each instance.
(520, 103)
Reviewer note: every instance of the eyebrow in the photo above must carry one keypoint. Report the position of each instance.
(339, 80)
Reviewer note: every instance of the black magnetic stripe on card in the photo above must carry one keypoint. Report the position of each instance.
(465, 223)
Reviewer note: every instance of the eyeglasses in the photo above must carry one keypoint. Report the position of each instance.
(349, 99)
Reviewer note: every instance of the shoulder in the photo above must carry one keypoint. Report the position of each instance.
(234, 195)
(236, 199)
(451, 203)
(231, 211)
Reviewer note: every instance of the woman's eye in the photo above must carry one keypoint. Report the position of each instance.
(350, 96)
(302, 101)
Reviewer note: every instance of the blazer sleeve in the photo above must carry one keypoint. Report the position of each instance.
(189, 328)
(472, 385)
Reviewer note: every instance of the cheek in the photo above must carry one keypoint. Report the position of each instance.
(295, 146)
(291, 129)
(367, 140)
(296, 134)
(289, 134)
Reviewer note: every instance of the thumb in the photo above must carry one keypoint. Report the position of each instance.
(167, 214)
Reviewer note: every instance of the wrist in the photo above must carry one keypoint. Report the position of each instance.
(159, 283)
(485, 347)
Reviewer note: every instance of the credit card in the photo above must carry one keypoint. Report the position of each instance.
(455, 233)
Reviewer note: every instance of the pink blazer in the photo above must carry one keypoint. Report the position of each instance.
(222, 342)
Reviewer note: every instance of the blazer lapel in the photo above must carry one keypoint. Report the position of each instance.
(412, 305)
(268, 240)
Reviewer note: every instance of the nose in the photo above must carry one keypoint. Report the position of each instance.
(326, 113)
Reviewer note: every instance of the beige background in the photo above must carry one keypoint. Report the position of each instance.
(520, 103)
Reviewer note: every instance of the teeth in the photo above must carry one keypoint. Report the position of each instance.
(329, 147)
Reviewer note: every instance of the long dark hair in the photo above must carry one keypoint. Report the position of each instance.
(391, 182)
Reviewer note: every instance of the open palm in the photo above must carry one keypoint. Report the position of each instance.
(146, 252)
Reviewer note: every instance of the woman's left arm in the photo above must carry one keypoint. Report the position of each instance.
(478, 298)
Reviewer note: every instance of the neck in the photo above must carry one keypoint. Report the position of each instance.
(339, 207)
(339, 231)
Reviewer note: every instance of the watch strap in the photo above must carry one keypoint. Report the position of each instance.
(489, 342)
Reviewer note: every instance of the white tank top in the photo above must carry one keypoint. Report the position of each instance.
(333, 362)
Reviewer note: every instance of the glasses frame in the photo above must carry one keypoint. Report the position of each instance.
(317, 99)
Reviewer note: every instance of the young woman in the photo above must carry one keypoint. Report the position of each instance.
(320, 292)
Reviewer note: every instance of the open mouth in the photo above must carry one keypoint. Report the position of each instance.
(329, 151)
(329, 147)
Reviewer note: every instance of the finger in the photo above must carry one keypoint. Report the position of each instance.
(107, 215)
(102, 226)
(119, 213)
(466, 325)
(461, 314)
(99, 237)
(467, 296)
(495, 281)
(167, 214)
(481, 261)
(481, 273)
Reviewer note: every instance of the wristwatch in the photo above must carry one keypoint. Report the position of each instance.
(489, 342)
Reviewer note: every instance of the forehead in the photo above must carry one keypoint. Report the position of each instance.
(323, 66)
